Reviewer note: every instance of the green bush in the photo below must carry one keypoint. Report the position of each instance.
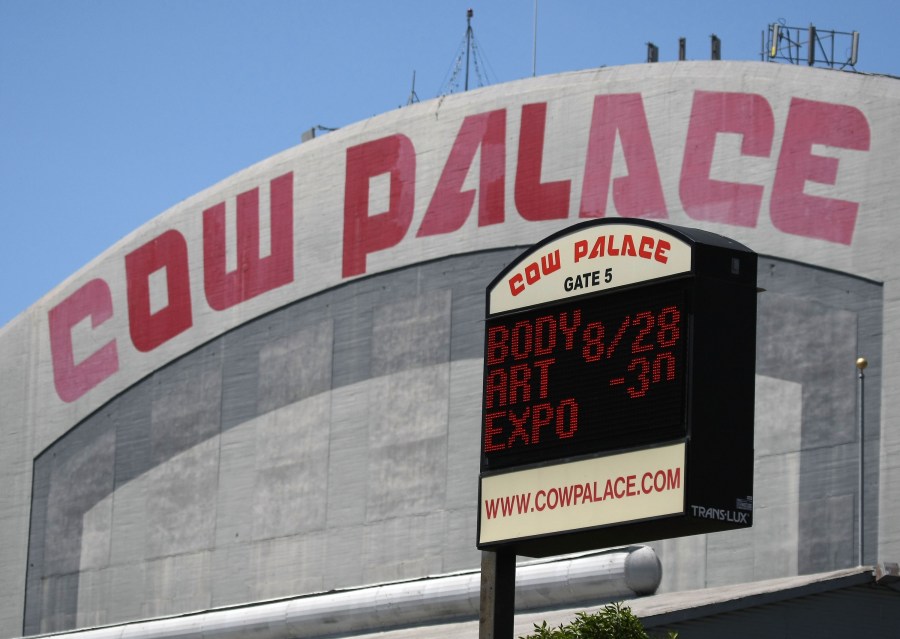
(614, 621)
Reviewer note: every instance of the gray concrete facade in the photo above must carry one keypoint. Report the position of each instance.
(334, 443)
(180, 435)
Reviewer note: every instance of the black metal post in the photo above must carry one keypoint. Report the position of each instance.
(861, 364)
(498, 595)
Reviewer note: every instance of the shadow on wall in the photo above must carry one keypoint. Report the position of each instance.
(334, 443)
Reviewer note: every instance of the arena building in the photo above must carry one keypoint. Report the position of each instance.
(265, 404)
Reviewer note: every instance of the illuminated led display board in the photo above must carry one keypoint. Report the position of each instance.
(619, 371)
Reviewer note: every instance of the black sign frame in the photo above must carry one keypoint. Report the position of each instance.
(718, 344)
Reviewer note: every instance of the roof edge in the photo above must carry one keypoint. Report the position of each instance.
(669, 608)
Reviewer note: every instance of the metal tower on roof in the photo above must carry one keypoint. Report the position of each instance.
(470, 55)
(815, 47)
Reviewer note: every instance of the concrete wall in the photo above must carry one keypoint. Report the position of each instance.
(334, 443)
(811, 325)
(330, 444)
(165, 408)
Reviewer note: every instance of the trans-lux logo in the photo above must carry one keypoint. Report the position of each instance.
(721, 514)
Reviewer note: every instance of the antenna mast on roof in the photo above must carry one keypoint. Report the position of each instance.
(469, 34)
(413, 96)
(469, 54)
(534, 43)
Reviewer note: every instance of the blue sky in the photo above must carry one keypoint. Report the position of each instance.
(112, 111)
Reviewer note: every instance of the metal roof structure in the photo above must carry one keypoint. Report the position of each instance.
(860, 601)
(543, 584)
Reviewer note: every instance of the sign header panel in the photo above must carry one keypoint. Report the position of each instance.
(589, 259)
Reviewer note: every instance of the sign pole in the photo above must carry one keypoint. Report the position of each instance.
(861, 364)
(498, 594)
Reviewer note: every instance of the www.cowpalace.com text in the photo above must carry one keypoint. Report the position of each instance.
(577, 494)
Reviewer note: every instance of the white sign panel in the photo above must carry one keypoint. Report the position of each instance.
(590, 260)
(584, 494)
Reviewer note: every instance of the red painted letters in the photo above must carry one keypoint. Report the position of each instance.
(450, 205)
(149, 329)
(536, 200)
(254, 274)
(714, 200)
(364, 233)
(792, 210)
(73, 379)
(156, 316)
(638, 194)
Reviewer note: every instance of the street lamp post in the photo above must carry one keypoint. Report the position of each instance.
(861, 364)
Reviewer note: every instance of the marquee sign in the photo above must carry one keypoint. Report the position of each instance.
(618, 389)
